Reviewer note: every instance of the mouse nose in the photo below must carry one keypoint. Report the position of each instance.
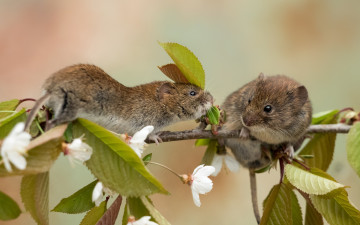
(248, 121)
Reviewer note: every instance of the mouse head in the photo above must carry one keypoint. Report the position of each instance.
(277, 109)
(185, 101)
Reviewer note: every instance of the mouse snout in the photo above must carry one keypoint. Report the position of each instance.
(248, 121)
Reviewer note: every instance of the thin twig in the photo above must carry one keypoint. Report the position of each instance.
(167, 136)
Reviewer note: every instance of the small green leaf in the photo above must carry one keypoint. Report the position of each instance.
(353, 147)
(278, 206)
(321, 146)
(42, 153)
(337, 210)
(94, 215)
(154, 212)
(78, 202)
(136, 208)
(202, 142)
(7, 123)
(209, 153)
(69, 133)
(8, 106)
(147, 158)
(317, 118)
(213, 114)
(35, 195)
(308, 182)
(110, 216)
(187, 62)
(312, 216)
(174, 73)
(9, 209)
(114, 163)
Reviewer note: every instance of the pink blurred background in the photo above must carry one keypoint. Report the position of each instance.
(315, 42)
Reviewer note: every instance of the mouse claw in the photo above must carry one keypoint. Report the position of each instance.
(156, 138)
(244, 133)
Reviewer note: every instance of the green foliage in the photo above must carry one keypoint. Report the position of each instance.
(8, 106)
(42, 153)
(321, 146)
(7, 123)
(281, 207)
(202, 142)
(309, 182)
(312, 216)
(187, 62)
(146, 159)
(9, 209)
(337, 210)
(94, 215)
(213, 114)
(114, 163)
(319, 117)
(210, 152)
(78, 202)
(35, 196)
(353, 147)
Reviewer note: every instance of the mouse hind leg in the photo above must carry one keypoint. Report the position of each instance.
(64, 105)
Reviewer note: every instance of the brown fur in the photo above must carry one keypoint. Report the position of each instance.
(87, 91)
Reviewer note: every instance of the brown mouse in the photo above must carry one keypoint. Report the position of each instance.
(88, 92)
(273, 109)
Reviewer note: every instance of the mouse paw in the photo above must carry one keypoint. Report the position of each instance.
(156, 138)
(289, 150)
(244, 133)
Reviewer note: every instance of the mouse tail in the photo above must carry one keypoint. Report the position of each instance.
(35, 110)
(254, 195)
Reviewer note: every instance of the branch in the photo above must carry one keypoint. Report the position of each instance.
(168, 136)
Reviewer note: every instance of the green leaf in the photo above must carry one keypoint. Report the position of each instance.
(78, 202)
(337, 210)
(9, 209)
(8, 106)
(35, 195)
(146, 159)
(7, 123)
(202, 142)
(312, 217)
(69, 133)
(308, 182)
(295, 209)
(187, 62)
(94, 215)
(154, 212)
(115, 164)
(213, 114)
(209, 153)
(110, 216)
(321, 146)
(278, 206)
(42, 153)
(317, 118)
(136, 208)
(353, 147)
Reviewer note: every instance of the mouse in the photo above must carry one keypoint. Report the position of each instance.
(86, 91)
(269, 111)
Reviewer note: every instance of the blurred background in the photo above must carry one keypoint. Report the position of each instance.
(315, 42)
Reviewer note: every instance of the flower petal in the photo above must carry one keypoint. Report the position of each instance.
(204, 171)
(217, 164)
(17, 159)
(97, 193)
(141, 135)
(232, 163)
(196, 198)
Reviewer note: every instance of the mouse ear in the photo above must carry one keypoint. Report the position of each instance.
(261, 76)
(302, 94)
(165, 90)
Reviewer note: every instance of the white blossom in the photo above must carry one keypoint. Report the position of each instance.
(230, 163)
(137, 142)
(199, 182)
(14, 146)
(77, 151)
(145, 220)
(98, 192)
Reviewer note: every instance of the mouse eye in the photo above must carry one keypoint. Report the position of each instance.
(192, 93)
(267, 108)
